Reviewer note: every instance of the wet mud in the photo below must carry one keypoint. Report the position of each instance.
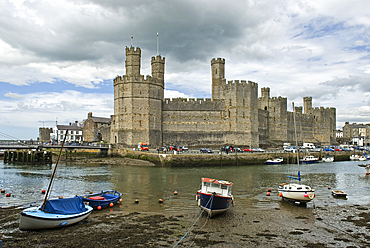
(283, 226)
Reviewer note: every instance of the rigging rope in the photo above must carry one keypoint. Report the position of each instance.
(191, 227)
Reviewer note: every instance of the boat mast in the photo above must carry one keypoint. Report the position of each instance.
(55, 169)
(296, 142)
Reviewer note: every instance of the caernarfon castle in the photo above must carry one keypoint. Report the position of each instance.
(234, 116)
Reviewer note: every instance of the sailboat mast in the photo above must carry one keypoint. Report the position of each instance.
(55, 169)
(296, 142)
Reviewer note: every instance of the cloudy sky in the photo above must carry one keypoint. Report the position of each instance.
(58, 58)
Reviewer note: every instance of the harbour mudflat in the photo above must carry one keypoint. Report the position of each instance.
(286, 226)
(256, 220)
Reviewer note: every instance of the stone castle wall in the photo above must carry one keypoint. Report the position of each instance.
(235, 115)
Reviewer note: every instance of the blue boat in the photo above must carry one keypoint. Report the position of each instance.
(103, 199)
(215, 196)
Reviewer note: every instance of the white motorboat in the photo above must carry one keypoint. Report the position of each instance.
(275, 161)
(327, 159)
(308, 160)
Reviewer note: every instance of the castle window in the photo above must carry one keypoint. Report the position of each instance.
(230, 102)
(140, 123)
(228, 113)
(243, 102)
(216, 71)
(243, 114)
(265, 107)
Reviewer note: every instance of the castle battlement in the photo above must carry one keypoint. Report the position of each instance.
(190, 100)
(241, 82)
(133, 50)
(158, 59)
(218, 60)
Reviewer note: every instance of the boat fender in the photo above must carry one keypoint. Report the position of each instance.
(280, 194)
(111, 204)
(64, 223)
(120, 199)
(99, 207)
(305, 194)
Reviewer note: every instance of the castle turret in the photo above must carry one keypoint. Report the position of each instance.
(307, 104)
(133, 58)
(218, 77)
(158, 68)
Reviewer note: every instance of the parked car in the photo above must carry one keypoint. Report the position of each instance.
(237, 149)
(206, 150)
(184, 148)
(328, 149)
(247, 149)
(290, 149)
(258, 150)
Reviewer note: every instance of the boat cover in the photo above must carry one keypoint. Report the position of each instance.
(73, 205)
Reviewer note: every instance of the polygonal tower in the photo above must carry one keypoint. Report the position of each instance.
(218, 78)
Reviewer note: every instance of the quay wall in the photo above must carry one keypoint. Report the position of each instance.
(232, 159)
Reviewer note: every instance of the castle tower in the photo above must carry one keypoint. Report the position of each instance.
(218, 77)
(307, 105)
(263, 102)
(133, 58)
(158, 68)
(138, 103)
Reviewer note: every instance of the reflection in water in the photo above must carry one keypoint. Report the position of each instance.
(149, 184)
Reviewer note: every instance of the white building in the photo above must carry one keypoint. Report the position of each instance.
(74, 134)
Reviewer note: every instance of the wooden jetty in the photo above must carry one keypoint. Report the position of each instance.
(27, 157)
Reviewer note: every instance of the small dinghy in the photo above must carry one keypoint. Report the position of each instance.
(338, 193)
(103, 199)
(215, 196)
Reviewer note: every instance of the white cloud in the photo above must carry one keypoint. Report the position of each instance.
(297, 48)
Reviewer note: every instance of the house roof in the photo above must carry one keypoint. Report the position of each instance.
(101, 119)
(72, 127)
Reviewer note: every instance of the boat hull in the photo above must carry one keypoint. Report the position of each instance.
(109, 197)
(215, 206)
(294, 192)
(33, 219)
(338, 193)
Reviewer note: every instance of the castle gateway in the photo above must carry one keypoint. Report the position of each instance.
(235, 115)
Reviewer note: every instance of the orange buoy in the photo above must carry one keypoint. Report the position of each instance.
(269, 190)
(99, 207)
(60, 197)
(3, 191)
(111, 204)
(329, 187)
(120, 200)
(43, 191)
(160, 201)
(367, 173)
(7, 194)
(90, 192)
(280, 194)
(137, 201)
(175, 193)
(268, 193)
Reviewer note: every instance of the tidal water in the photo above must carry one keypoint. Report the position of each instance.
(149, 184)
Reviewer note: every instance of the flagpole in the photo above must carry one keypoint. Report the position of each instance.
(157, 44)
(132, 37)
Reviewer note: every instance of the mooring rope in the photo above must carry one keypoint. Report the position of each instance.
(192, 226)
